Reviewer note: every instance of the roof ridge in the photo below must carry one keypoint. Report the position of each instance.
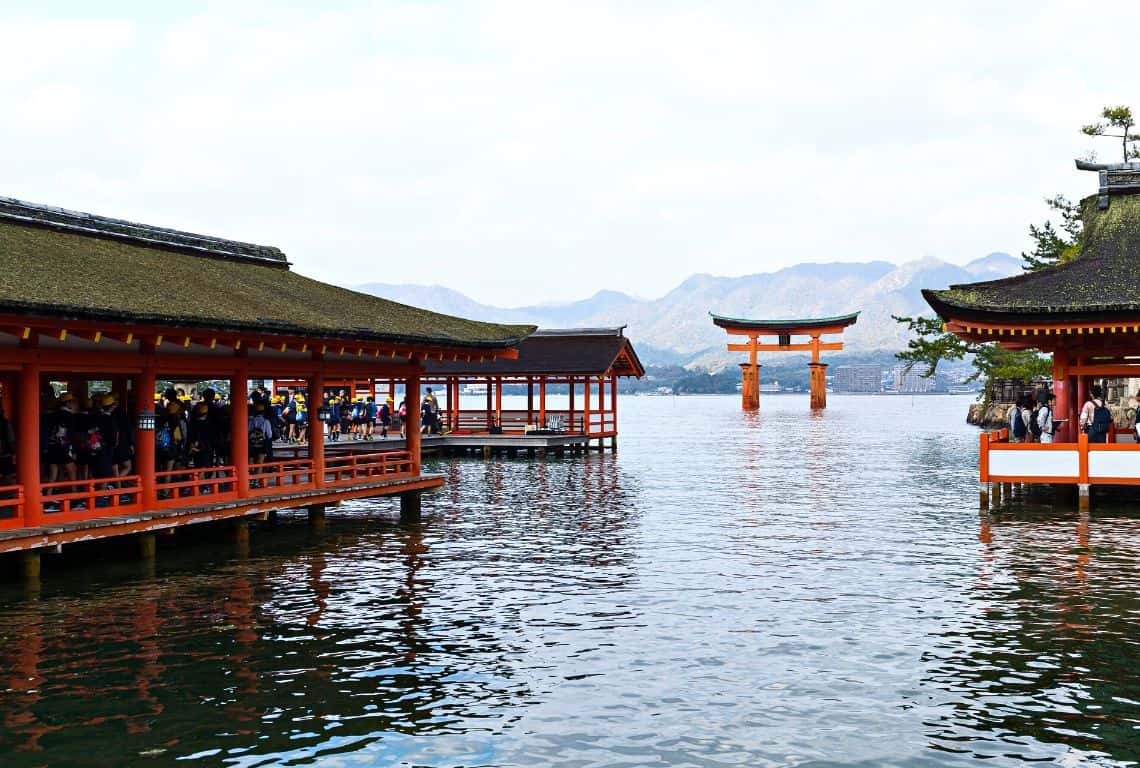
(614, 331)
(89, 224)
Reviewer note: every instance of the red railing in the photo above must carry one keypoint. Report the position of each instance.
(366, 466)
(514, 421)
(71, 500)
(182, 487)
(602, 423)
(11, 506)
(277, 476)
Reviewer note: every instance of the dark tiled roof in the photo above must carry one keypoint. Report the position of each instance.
(1103, 282)
(784, 326)
(558, 351)
(57, 263)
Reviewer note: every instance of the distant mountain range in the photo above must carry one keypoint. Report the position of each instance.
(676, 328)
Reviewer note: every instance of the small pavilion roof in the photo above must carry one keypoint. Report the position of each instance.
(785, 325)
(556, 351)
(65, 264)
(1101, 283)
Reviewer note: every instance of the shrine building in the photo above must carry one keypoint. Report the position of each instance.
(104, 309)
(1086, 314)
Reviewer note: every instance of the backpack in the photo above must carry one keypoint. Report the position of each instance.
(164, 439)
(1034, 424)
(1018, 422)
(1101, 422)
(257, 437)
(93, 441)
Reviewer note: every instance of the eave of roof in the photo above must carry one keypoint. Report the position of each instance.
(785, 324)
(552, 352)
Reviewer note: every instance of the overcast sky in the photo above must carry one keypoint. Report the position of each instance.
(540, 151)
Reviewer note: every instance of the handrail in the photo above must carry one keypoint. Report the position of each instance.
(362, 466)
(70, 500)
(295, 474)
(11, 506)
(177, 486)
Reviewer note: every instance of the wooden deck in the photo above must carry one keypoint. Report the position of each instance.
(19, 539)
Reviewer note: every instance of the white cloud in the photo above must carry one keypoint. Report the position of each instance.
(538, 151)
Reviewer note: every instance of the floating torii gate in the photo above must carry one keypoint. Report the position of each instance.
(784, 330)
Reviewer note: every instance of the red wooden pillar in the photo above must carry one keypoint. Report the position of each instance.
(239, 429)
(28, 442)
(316, 385)
(586, 405)
(530, 400)
(570, 379)
(1082, 397)
(144, 440)
(499, 401)
(489, 400)
(1064, 396)
(601, 403)
(542, 402)
(412, 398)
(613, 398)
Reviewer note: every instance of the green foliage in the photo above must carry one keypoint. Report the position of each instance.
(931, 344)
(1054, 246)
(1120, 118)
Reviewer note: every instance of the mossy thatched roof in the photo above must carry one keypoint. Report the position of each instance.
(79, 269)
(1103, 282)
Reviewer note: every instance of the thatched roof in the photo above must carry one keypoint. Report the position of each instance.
(1101, 283)
(572, 351)
(63, 264)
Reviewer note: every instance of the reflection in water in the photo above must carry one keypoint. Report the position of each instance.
(746, 589)
(1047, 658)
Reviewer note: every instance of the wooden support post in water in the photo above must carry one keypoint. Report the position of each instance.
(1084, 497)
(147, 546)
(316, 516)
(30, 568)
(984, 496)
(410, 507)
(613, 444)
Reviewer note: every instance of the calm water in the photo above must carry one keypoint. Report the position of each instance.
(777, 590)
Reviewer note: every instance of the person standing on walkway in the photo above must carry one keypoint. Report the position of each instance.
(1096, 419)
(1045, 422)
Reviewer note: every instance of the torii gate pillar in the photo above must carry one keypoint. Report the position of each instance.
(750, 386)
(818, 385)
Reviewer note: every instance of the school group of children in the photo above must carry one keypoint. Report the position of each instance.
(1033, 420)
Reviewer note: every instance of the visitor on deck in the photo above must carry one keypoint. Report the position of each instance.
(334, 419)
(123, 438)
(1096, 418)
(169, 437)
(403, 411)
(1019, 421)
(369, 418)
(301, 418)
(201, 440)
(1045, 422)
(385, 418)
(260, 436)
(58, 445)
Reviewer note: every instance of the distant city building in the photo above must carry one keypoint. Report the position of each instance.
(858, 378)
(912, 382)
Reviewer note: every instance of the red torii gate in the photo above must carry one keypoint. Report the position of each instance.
(814, 328)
